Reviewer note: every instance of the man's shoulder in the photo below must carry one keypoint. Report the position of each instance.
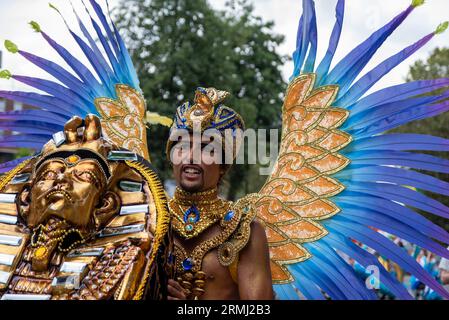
(244, 210)
(254, 228)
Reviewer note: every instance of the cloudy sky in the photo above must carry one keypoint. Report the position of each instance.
(362, 18)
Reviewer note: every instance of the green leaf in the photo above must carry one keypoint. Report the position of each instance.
(53, 7)
(417, 3)
(36, 27)
(5, 74)
(442, 27)
(11, 46)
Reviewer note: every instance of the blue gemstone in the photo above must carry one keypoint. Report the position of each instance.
(228, 216)
(187, 264)
(188, 227)
(192, 219)
(192, 211)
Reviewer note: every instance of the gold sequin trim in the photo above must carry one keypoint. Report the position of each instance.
(163, 219)
(7, 177)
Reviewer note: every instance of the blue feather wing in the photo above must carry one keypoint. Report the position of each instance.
(378, 187)
(71, 92)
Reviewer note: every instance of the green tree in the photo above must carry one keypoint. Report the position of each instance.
(179, 45)
(436, 66)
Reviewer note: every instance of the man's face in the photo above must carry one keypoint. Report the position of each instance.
(196, 166)
(67, 192)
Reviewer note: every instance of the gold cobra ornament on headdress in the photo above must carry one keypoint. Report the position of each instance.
(203, 109)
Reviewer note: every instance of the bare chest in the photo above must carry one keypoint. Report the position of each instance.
(199, 270)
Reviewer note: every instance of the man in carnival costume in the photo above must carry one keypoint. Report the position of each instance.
(341, 180)
(221, 250)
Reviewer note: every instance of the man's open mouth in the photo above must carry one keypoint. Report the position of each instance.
(192, 170)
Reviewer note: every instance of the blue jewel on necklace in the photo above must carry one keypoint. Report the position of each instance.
(192, 215)
(187, 264)
(229, 215)
(188, 227)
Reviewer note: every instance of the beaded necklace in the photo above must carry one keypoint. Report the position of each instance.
(195, 212)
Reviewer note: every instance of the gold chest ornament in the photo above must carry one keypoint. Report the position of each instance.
(234, 220)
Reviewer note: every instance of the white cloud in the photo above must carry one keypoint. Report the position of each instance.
(361, 19)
